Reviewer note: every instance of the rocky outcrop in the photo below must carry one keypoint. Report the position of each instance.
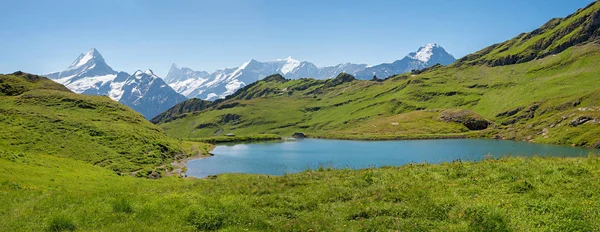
(298, 135)
(579, 120)
(469, 119)
(340, 79)
(274, 78)
(153, 175)
(226, 118)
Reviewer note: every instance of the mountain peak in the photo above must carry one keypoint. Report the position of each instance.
(251, 61)
(289, 64)
(91, 55)
(288, 59)
(424, 53)
(149, 72)
(432, 53)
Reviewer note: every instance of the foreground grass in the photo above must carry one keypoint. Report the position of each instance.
(40, 192)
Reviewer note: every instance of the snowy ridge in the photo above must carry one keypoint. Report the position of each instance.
(219, 84)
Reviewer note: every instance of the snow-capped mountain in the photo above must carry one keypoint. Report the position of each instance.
(144, 92)
(88, 73)
(180, 74)
(226, 81)
(426, 56)
(211, 86)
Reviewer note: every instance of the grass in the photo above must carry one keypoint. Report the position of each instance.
(42, 192)
(42, 118)
(62, 154)
(551, 38)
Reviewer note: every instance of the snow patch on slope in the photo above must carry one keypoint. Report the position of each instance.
(87, 57)
(231, 87)
(424, 53)
(82, 84)
(289, 64)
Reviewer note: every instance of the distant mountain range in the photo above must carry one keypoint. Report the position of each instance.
(149, 95)
(144, 92)
(211, 86)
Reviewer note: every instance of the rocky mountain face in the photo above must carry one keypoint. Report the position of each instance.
(144, 92)
(221, 83)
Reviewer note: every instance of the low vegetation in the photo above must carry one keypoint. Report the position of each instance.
(71, 162)
(42, 192)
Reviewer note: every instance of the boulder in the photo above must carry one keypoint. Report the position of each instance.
(154, 175)
(580, 120)
(469, 119)
(299, 135)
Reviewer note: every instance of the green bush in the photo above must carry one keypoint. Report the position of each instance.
(207, 219)
(61, 223)
(122, 205)
(521, 187)
(486, 219)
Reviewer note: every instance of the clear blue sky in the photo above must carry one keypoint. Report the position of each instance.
(44, 36)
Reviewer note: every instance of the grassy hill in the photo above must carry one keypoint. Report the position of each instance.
(547, 94)
(39, 116)
(553, 37)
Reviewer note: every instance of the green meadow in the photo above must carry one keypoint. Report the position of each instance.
(73, 162)
(43, 192)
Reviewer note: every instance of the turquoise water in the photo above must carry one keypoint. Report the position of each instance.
(278, 158)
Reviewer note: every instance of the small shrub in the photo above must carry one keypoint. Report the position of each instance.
(521, 187)
(484, 219)
(143, 173)
(61, 223)
(209, 219)
(122, 205)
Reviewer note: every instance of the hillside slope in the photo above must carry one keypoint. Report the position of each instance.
(553, 99)
(553, 37)
(38, 116)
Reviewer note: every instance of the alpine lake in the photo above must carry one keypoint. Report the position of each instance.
(292, 156)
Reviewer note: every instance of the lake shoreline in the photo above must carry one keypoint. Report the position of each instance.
(180, 164)
(384, 137)
(311, 153)
(236, 139)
